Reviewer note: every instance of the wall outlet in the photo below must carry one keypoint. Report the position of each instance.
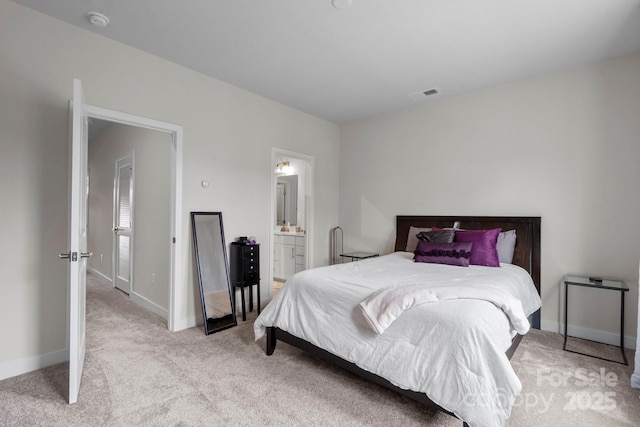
(101, 257)
(153, 279)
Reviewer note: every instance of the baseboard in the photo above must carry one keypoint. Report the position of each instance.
(135, 297)
(635, 380)
(182, 324)
(590, 334)
(100, 276)
(149, 305)
(22, 366)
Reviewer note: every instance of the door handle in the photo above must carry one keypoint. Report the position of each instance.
(73, 256)
(115, 229)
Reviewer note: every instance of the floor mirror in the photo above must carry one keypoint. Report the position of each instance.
(210, 252)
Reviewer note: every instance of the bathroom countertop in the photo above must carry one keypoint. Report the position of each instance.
(288, 233)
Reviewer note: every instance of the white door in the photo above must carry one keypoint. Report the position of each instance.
(77, 271)
(123, 224)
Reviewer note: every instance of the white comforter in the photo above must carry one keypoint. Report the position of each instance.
(383, 307)
(452, 350)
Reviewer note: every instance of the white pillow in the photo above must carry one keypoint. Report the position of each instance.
(412, 240)
(505, 245)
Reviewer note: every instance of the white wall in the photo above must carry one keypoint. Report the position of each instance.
(152, 209)
(564, 147)
(228, 136)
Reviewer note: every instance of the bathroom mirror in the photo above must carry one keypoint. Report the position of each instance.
(287, 200)
(210, 252)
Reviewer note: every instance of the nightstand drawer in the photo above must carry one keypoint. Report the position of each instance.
(245, 272)
(252, 275)
(250, 249)
(245, 263)
(250, 258)
(250, 267)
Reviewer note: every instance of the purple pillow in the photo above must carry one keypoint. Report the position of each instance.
(484, 250)
(444, 253)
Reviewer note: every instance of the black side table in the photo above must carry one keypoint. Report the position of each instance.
(595, 282)
(245, 272)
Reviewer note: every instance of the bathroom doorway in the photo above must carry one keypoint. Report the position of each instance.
(291, 219)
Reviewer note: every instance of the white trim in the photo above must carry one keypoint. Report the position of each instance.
(177, 320)
(135, 297)
(612, 338)
(149, 305)
(186, 323)
(17, 367)
(635, 377)
(99, 275)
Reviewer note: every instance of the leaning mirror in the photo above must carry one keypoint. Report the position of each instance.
(210, 252)
(287, 200)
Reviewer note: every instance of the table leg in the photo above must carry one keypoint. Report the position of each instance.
(566, 304)
(258, 301)
(624, 356)
(250, 297)
(244, 316)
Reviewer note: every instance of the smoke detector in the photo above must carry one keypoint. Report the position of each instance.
(98, 19)
(341, 4)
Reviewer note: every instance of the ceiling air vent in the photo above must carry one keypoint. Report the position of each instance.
(423, 94)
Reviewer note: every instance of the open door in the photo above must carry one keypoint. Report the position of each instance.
(77, 271)
(123, 224)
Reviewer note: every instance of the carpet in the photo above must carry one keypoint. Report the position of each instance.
(138, 373)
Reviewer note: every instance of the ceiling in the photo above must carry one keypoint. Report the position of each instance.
(366, 59)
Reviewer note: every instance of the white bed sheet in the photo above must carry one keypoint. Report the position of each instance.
(453, 351)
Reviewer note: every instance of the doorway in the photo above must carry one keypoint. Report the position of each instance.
(129, 211)
(174, 232)
(291, 219)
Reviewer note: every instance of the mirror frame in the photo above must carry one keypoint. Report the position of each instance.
(212, 325)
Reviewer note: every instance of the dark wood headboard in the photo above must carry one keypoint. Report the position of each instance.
(527, 250)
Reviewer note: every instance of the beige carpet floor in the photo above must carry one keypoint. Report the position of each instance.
(138, 373)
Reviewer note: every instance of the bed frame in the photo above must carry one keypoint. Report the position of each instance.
(526, 255)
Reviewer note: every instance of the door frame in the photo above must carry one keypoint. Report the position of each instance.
(176, 295)
(309, 161)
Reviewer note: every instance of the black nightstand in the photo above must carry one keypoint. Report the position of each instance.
(599, 283)
(245, 272)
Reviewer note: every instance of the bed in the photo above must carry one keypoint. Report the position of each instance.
(450, 352)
